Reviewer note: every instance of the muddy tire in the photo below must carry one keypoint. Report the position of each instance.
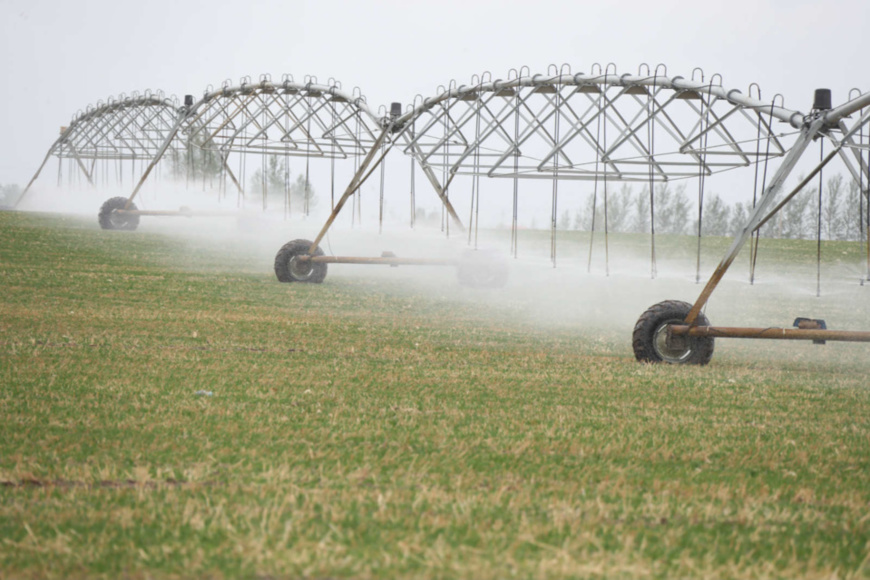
(111, 220)
(650, 343)
(482, 269)
(288, 268)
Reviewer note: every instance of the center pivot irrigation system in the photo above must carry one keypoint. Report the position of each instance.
(600, 127)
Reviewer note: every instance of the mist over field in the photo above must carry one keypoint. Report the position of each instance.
(599, 292)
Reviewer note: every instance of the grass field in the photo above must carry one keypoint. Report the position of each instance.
(390, 424)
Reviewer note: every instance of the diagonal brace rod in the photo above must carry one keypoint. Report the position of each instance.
(355, 183)
(808, 132)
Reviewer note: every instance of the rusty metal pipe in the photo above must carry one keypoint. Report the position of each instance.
(383, 261)
(173, 213)
(769, 333)
(355, 183)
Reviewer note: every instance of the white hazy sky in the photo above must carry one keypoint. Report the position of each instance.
(61, 55)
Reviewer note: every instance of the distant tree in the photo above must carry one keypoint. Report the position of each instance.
(195, 163)
(302, 192)
(717, 217)
(272, 184)
(672, 209)
(739, 219)
(565, 220)
(618, 201)
(594, 214)
(619, 208)
(641, 223)
(833, 220)
(9, 194)
(795, 220)
(855, 212)
(578, 220)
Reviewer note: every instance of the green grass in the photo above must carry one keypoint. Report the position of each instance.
(366, 428)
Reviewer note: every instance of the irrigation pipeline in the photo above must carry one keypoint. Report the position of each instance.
(768, 333)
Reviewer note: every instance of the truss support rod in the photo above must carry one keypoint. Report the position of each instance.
(863, 169)
(232, 176)
(82, 165)
(797, 188)
(439, 191)
(808, 132)
(358, 179)
(181, 117)
(44, 161)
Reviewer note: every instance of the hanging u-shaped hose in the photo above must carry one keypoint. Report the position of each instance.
(241, 199)
(286, 180)
(862, 192)
(381, 198)
(356, 209)
(285, 138)
(754, 237)
(703, 126)
(819, 226)
(604, 163)
(332, 155)
(753, 254)
(514, 223)
(306, 191)
(554, 212)
(860, 177)
(597, 161)
(414, 166)
(867, 208)
(651, 137)
(263, 180)
(264, 168)
(475, 179)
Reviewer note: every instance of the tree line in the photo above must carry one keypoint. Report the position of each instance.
(271, 182)
(843, 212)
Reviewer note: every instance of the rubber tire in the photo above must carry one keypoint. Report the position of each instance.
(482, 269)
(109, 220)
(283, 263)
(643, 341)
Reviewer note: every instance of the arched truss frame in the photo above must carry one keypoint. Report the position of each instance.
(539, 126)
(132, 127)
(286, 118)
(294, 119)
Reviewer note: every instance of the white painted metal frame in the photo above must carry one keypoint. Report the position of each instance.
(698, 127)
(127, 128)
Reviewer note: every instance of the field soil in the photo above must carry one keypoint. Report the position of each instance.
(168, 409)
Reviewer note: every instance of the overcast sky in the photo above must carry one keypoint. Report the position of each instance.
(61, 55)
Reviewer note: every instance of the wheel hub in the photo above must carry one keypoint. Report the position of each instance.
(672, 349)
(301, 269)
(118, 221)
